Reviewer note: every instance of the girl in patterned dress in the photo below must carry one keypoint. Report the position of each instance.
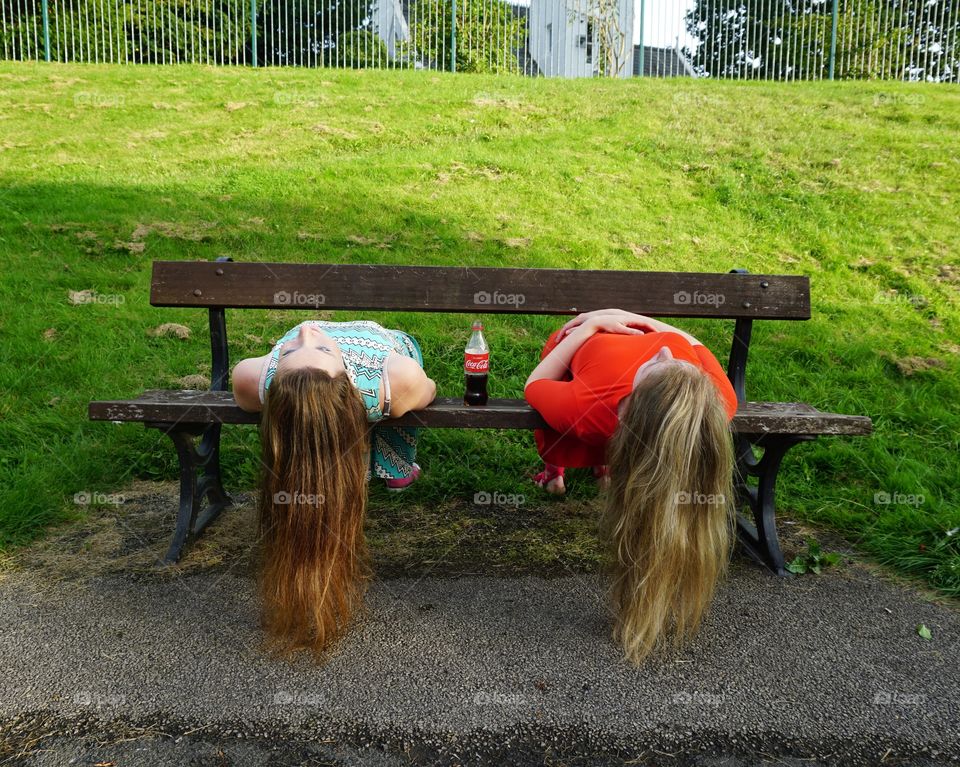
(327, 391)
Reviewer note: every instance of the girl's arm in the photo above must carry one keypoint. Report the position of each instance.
(631, 319)
(557, 362)
(246, 382)
(410, 387)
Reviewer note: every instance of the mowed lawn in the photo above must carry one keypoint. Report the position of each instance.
(104, 169)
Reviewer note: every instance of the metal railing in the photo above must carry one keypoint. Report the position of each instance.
(745, 39)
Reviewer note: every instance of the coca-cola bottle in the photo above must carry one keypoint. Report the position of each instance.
(476, 367)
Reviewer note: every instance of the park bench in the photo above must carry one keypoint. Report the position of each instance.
(193, 419)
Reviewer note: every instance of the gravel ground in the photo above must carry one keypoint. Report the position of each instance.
(120, 669)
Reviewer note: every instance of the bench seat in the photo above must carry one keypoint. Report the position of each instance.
(206, 407)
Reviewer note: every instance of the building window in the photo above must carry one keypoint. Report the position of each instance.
(549, 38)
(589, 42)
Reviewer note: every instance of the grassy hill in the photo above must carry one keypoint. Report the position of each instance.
(106, 168)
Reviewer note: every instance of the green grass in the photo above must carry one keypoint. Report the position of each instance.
(851, 183)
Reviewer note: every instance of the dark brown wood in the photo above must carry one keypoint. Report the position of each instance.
(761, 419)
(477, 290)
(754, 419)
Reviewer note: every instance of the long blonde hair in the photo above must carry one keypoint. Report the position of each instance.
(668, 516)
(313, 498)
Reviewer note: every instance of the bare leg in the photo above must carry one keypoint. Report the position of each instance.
(602, 475)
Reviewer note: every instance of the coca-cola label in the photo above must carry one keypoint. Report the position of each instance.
(476, 363)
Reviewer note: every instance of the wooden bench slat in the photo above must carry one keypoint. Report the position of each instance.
(203, 407)
(480, 290)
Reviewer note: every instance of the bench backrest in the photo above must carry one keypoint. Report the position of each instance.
(481, 290)
(223, 284)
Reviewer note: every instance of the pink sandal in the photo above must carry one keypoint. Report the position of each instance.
(547, 479)
(402, 483)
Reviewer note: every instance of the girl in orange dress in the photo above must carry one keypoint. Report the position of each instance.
(649, 408)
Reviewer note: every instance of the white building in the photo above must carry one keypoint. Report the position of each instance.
(564, 36)
(390, 23)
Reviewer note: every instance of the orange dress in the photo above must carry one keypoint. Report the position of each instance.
(582, 410)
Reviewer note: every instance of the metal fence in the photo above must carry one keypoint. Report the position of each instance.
(748, 39)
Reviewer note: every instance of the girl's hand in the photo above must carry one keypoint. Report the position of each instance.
(647, 324)
(612, 323)
(583, 317)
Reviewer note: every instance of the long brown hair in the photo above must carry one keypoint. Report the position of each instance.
(668, 514)
(313, 498)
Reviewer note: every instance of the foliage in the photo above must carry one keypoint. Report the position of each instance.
(360, 48)
(791, 40)
(615, 51)
(305, 33)
(140, 32)
(813, 560)
(209, 31)
(488, 35)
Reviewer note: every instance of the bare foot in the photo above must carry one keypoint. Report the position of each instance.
(555, 486)
(551, 480)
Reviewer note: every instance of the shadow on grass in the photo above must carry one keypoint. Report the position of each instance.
(80, 237)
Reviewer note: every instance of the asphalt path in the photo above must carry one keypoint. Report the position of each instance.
(123, 669)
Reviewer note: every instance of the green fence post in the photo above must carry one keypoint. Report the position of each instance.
(643, 6)
(46, 31)
(253, 31)
(833, 38)
(453, 37)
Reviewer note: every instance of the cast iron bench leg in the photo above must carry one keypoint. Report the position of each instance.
(760, 538)
(199, 480)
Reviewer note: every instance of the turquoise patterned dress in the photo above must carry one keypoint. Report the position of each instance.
(365, 346)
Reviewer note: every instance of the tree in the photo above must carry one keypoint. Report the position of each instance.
(308, 33)
(301, 32)
(144, 32)
(606, 18)
(790, 39)
(489, 35)
(360, 49)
